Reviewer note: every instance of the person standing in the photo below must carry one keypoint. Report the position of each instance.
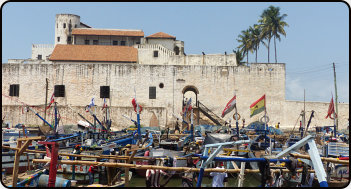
(91, 171)
(218, 177)
(189, 176)
(277, 125)
(153, 175)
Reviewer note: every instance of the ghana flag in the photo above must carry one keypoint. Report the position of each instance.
(258, 106)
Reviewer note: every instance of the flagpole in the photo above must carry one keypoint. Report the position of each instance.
(192, 126)
(265, 120)
(334, 123)
(138, 116)
(236, 122)
(46, 99)
(336, 100)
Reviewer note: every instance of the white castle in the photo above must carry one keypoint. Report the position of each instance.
(85, 60)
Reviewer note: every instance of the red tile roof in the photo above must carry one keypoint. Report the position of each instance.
(89, 31)
(161, 35)
(94, 53)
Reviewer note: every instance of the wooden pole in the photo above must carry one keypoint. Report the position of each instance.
(241, 175)
(133, 166)
(46, 99)
(15, 165)
(24, 134)
(92, 156)
(333, 160)
(336, 99)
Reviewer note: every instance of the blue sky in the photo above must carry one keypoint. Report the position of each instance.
(317, 36)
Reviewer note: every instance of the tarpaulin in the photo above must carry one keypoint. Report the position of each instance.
(213, 138)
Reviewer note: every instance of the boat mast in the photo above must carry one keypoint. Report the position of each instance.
(46, 99)
(336, 99)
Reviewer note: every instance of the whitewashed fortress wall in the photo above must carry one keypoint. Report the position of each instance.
(216, 85)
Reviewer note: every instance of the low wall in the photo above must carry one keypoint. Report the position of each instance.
(16, 114)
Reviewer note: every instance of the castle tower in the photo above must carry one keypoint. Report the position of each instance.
(64, 25)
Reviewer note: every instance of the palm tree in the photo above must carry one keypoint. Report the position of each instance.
(239, 56)
(246, 44)
(256, 37)
(272, 25)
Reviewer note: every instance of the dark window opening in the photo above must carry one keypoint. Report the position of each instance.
(115, 43)
(58, 39)
(59, 91)
(155, 53)
(95, 42)
(56, 25)
(176, 50)
(161, 85)
(40, 56)
(69, 39)
(138, 42)
(86, 42)
(64, 25)
(75, 25)
(14, 90)
(104, 91)
(69, 27)
(152, 92)
(123, 43)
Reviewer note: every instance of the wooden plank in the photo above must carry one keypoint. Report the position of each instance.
(126, 173)
(333, 160)
(15, 165)
(24, 147)
(133, 166)
(31, 138)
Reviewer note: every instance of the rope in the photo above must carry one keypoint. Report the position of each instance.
(295, 125)
(39, 110)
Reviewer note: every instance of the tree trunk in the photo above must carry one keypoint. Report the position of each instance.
(269, 42)
(256, 55)
(275, 50)
(247, 57)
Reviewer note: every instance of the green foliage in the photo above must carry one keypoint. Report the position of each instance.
(239, 56)
(270, 24)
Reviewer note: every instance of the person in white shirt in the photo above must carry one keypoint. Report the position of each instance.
(218, 177)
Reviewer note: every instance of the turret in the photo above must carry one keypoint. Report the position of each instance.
(64, 25)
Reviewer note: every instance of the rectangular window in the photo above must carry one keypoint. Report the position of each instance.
(95, 42)
(138, 42)
(86, 42)
(152, 92)
(64, 25)
(39, 56)
(155, 53)
(69, 39)
(14, 90)
(115, 43)
(59, 91)
(58, 39)
(123, 43)
(104, 91)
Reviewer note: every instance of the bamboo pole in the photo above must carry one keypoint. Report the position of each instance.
(92, 156)
(133, 166)
(31, 138)
(333, 160)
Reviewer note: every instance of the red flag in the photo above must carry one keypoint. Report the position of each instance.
(52, 100)
(230, 106)
(104, 105)
(135, 106)
(331, 110)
